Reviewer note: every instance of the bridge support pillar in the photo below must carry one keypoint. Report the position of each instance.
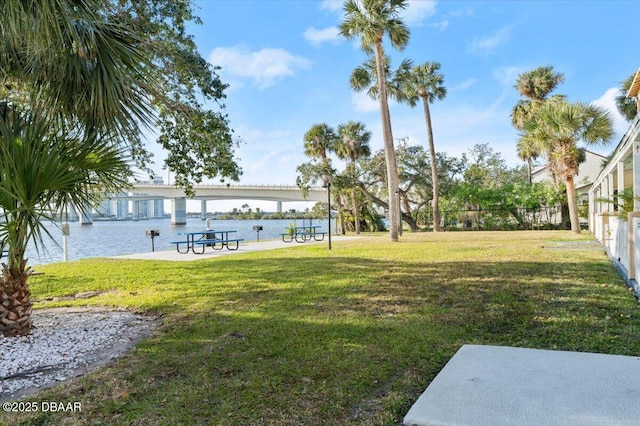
(122, 209)
(279, 207)
(135, 210)
(86, 217)
(203, 209)
(179, 211)
(72, 213)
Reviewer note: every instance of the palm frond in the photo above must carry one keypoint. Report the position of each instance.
(43, 167)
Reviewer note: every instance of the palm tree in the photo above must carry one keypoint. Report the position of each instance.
(353, 145)
(370, 20)
(364, 77)
(319, 140)
(538, 83)
(74, 63)
(556, 128)
(535, 86)
(527, 152)
(84, 87)
(43, 167)
(425, 82)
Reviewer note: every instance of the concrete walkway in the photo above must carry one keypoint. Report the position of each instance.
(173, 255)
(494, 385)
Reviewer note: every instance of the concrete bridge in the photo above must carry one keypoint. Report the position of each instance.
(277, 193)
(156, 191)
(234, 192)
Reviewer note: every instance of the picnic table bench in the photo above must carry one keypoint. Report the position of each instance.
(216, 239)
(303, 234)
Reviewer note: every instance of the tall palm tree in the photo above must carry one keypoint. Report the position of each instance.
(319, 140)
(353, 144)
(364, 77)
(538, 83)
(370, 20)
(556, 128)
(535, 86)
(43, 167)
(427, 83)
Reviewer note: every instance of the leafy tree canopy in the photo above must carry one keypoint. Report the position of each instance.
(487, 169)
(49, 48)
(194, 130)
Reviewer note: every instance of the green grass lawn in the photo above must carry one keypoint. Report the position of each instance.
(304, 336)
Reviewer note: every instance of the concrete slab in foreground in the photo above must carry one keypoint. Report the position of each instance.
(493, 385)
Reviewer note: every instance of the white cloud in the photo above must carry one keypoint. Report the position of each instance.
(461, 13)
(442, 25)
(331, 5)
(608, 102)
(363, 103)
(263, 67)
(268, 152)
(506, 75)
(486, 45)
(317, 37)
(418, 11)
(465, 84)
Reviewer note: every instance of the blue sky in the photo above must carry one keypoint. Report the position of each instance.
(288, 69)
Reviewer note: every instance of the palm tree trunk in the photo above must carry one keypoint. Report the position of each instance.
(389, 152)
(15, 305)
(356, 211)
(434, 166)
(15, 297)
(572, 201)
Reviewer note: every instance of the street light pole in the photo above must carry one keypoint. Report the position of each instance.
(399, 214)
(328, 186)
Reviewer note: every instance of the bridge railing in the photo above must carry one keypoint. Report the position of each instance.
(236, 186)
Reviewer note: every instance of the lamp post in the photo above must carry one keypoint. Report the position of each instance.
(328, 186)
(399, 213)
(65, 243)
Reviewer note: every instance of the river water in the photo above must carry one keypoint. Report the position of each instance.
(112, 238)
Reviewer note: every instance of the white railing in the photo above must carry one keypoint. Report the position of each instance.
(623, 242)
(613, 240)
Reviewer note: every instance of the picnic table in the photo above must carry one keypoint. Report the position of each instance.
(303, 234)
(197, 241)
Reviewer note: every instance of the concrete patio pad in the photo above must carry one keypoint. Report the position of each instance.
(173, 255)
(494, 385)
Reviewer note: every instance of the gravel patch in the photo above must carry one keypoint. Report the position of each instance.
(66, 343)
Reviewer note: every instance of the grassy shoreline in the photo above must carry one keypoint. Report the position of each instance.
(302, 336)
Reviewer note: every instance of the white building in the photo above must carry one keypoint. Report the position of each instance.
(620, 234)
(588, 172)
